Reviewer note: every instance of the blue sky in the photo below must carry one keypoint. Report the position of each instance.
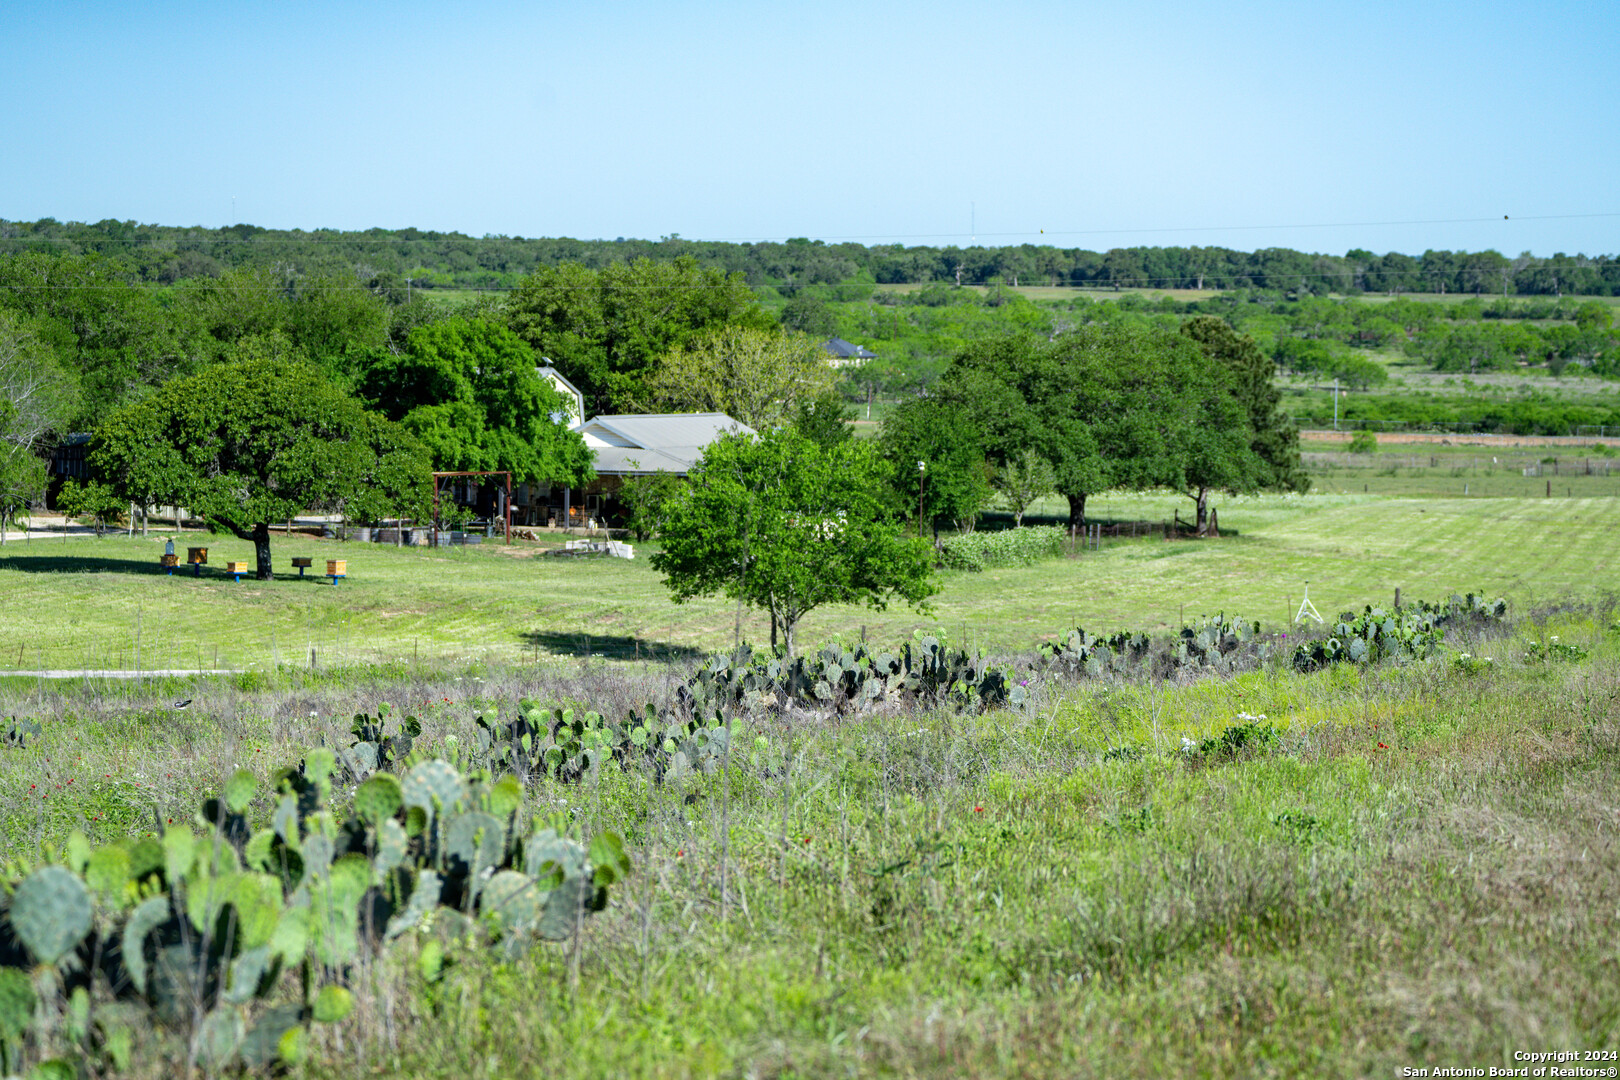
(1399, 126)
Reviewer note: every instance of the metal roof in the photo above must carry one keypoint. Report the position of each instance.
(654, 442)
(846, 350)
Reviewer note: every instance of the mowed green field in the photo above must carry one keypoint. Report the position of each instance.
(88, 603)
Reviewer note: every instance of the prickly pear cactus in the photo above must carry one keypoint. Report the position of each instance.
(203, 927)
(51, 913)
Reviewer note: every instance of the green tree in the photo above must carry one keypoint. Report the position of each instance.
(809, 314)
(606, 329)
(244, 445)
(93, 500)
(469, 391)
(1273, 437)
(1107, 406)
(755, 376)
(647, 498)
(824, 418)
(935, 461)
(38, 394)
(1023, 482)
(116, 338)
(786, 525)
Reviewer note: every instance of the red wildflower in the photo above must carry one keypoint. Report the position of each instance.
(978, 809)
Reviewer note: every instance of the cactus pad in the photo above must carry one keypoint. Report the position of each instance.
(435, 786)
(423, 899)
(378, 798)
(513, 900)
(239, 790)
(332, 1004)
(51, 913)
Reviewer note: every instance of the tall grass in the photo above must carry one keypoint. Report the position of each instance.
(1420, 868)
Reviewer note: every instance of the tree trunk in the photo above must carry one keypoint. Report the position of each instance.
(1077, 511)
(787, 637)
(1202, 499)
(260, 536)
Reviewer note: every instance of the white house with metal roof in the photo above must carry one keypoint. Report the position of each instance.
(634, 445)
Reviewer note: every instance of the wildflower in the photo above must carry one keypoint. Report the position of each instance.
(807, 839)
(978, 809)
(1188, 746)
(680, 852)
(1383, 746)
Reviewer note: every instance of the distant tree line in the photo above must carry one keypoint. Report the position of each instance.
(404, 260)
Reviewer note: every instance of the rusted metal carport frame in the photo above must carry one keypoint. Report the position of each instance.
(497, 472)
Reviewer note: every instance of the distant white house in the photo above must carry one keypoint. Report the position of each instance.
(846, 353)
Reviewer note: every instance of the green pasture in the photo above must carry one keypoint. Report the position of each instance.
(88, 603)
(1416, 867)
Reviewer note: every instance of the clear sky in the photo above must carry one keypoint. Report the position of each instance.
(1389, 126)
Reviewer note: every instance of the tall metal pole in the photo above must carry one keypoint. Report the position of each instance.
(922, 478)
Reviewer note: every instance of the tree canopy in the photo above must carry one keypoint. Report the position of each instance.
(934, 456)
(1273, 436)
(1118, 406)
(37, 394)
(244, 445)
(469, 391)
(787, 525)
(759, 377)
(606, 329)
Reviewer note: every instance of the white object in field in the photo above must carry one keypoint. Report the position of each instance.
(1307, 610)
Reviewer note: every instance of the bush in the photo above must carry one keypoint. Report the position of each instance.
(1009, 547)
(1364, 442)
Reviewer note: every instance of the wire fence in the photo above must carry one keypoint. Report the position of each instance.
(1324, 424)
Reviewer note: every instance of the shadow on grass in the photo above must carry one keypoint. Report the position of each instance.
(75, 564)
(614, 647)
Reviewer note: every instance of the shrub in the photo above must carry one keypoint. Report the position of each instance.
(1364, 442)
(1009, 547)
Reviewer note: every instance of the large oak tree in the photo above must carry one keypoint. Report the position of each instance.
(245, 445)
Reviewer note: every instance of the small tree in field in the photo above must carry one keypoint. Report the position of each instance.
(1364, 442)
(1023, 482)
(244, 445)
(785, 524)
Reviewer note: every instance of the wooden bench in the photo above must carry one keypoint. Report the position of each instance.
(237, 569)
(336, 568)
(303, 563)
